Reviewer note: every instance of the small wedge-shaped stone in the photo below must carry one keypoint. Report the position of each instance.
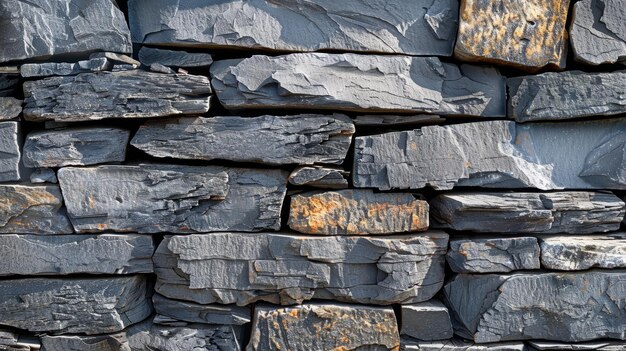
(196, 313)
(103, 342)
(172, 58)
(274, 140)
(32, 209)
(321, 327)
(357, 211)
(64, 68)
(363, 83)
(566, 95)
(493, 255)
(575, 253)
(426, 321)
(602, 345)
(288, 269)
(561, 212)
(36, 29)
(10, 154)
(597, 31)
(567, 307)
(74, 305)
(75, 147)
(123, 94)
(498, 154)
(319, 177)
(169, 198)
(68, 254)
(456, 344)
(10, 107)
(418, 27)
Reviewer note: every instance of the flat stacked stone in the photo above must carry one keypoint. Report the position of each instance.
(493, 254)
(428, 320)
(573, 253)
(32, 209)
(10, 151)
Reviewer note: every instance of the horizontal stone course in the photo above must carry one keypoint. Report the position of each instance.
(493, 254)
(574, 253)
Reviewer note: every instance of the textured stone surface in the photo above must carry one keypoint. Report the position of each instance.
(197, 313)
(170, 198)
(74, 305)
(500, 154)
(275, 140)
(493, 255)
(410, 344)
(575, 212)
(10, 146)
(51, 27)
(392, 121)
(43, 175)
(123, 94)
(328, 326)
(13, 341)
(359, 83)
(390, 26)
(64, 68)
(426, 321)
(75, 147)
(357, 211)
(172, 58)
(566, 307)
(289, 269)
(601, 345)
(104, 342)
(566, 95)
(32, 209)
(573, 253)
(320, 177)
(10, 107)
(528, 35)
(597, 31)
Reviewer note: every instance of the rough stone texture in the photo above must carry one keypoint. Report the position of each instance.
(289, 269)
(172, 58)
(583, 346)
(493, 255)
(389, 26)
(197, 313)
(357, 211)
(33, 29)
(566, 95)
(10, 107)
(392, 121)
(74, 305)
(75, 147)
(326, 326)
(499, 212)
(501, 154)
(123, 94)
(32, 209)
(10, 146)
(426, 321)
(12, 341)
(573, 253)
(115, 58)
(410, 344)
(9, 83)
(170, 198)
(597, 31)
(320, 177)
(362, 83)
(104, 342)
(274, 140)
(528, 35)
(64, 68)
(567, 307)
(68, 254)
(43, 175)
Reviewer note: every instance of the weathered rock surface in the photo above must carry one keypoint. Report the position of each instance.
(582, 346)
(327, 326)
(74, 305)
(574, 253)
(500, 154)
(32, 209)
(103, 342)
(174, 58)
(319, 177)
(197, 313)
(75, 147)
(575, 212)
(527, 35)
(567, 307)
(493, 255)
(289, 269)
(10, 107)
(43, 175)
(32, 29)
(566, 95)
(422, 27)
(123, 94)
(395, 120)
(597, 31)
(274, 140)
(456, 344)
(64, 68)
(362, 83)
(426, 321)
(13, 341)
(170, 198)
(10, 146)
(357, 211)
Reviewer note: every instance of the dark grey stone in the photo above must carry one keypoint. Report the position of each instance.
(600, 345)
(320, 177)
(43, 175)
(12, 341)
(103, 342)
(456, 344)
(426, 321)
(64, 68)
(10, 151)
(196, 313)
(9, 83)
(395, 120)
(10, 107)
(493, 255)
(574, 253)
(174, 58)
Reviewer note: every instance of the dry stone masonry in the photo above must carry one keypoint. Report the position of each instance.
(294, 175)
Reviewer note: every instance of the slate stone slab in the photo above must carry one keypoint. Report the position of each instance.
(330, 326)
(600, 345)
(457, 344)
(10, 154)
(123, 94)
(197, 313)
(103, 342)
(421, 27)
(319, 177)
(597, 31)
(573, 253)
(426, 321)
(357, 211)
(274, 140)
(493, 255)
(527, 35)
(567, 307)
(566, 95)
(174, 58)
(31, 29)
(10, 108)
(287, 269)
(32, 209)
(169, 198)
(575, 212)
(11, 340)
(362, 83)
(75, 147)
(74, 305)
(396, 120)
(64, 68)
(498, 154)
(43, 175)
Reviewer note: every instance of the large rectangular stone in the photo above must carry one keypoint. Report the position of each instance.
(427, 320)
(457, 344)
(493, 255)
(32, 209)
(10, 151)
(574, 253)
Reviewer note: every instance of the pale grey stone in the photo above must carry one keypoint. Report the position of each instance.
(456, 344)
(320, 177)
(43, 175)
(64, 68)
(493, 255)
(573, 253)
(10, 151)
(123, 67)
(12, 341)
(601, 345)
(157, 67)
(396, 120)
(174, 58)
(103, 342)
(427, 320)
(116, 58)
(10, 107)
(196, 313)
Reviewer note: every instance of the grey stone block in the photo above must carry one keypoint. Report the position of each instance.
(197, 313)
(10, 151)
(174, 58)
(64, 68)
(396, 120)
(493, 255)
(43, 175)
(12, 341)
(426, 321)
(456, 344)
(103, 342)
(574, 253)
(10, 107)
(319, 177)
(601, 345)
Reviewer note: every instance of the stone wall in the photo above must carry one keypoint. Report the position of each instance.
(188, 175)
